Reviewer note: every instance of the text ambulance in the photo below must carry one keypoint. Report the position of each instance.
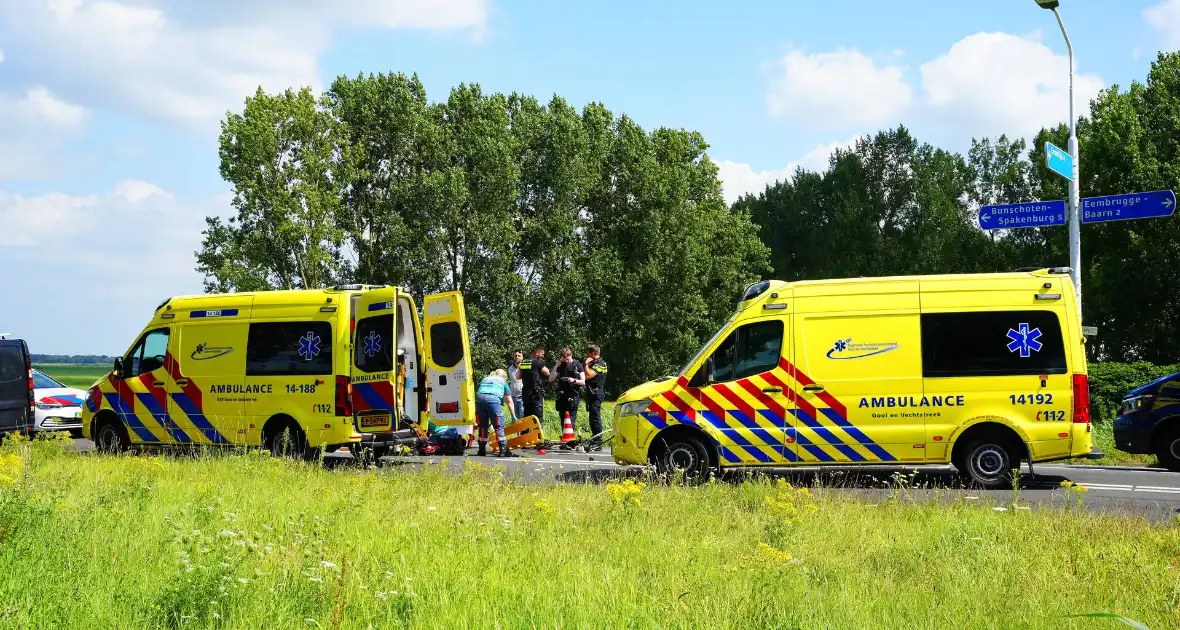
(982, 371)
(326, 368)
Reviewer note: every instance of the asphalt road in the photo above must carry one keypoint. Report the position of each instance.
(1152, 493)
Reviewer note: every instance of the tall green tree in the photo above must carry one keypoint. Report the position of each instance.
(282, 155)
(560, 226)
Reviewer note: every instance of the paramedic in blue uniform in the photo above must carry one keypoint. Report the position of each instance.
(493, 395)
(532, 376)
(570, 378)
(596, 370)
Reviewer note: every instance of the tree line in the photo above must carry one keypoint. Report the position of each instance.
(72, 359)
(891, 205)
(565, 226)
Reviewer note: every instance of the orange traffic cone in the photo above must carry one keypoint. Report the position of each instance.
(567, 429)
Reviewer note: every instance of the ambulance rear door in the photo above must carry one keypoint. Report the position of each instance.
(451, 399)
(374, 394)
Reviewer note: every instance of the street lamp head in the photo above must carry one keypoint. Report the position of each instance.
(1048, 4)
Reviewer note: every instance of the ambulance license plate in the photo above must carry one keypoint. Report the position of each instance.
(376, 422)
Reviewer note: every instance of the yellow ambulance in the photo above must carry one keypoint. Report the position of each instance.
(980, 371)
(321, 368)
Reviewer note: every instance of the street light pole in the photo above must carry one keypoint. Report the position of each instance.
(1075, 202)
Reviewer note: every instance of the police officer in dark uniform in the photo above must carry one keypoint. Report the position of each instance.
(570, 378)
(532, 375)
(596, 370)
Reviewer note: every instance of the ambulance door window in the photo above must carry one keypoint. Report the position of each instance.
(723, 359)
(289, 349)
(374, 348)
(292, 362)
(758, 348)
(748, 351)
(148, 355)
(1001, 343)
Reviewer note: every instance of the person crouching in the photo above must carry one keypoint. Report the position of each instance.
(493, 395)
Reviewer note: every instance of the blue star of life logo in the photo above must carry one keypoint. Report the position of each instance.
(309, 346)
(372, 344)
(842, 345)
(1024, 340)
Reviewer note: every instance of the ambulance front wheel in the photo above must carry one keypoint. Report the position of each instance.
(110, 436)
(683, 454)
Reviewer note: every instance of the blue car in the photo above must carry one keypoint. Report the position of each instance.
(1149, 421)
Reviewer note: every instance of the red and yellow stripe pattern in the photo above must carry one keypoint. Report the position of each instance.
(767, 419)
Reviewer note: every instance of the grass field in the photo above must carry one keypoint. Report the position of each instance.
(77, 375)
(245, 541)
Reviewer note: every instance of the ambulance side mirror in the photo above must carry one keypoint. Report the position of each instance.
(119, 367)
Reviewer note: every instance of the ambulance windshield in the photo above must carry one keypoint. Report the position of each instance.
(708, 344)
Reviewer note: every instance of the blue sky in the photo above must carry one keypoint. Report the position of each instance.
(109, 109)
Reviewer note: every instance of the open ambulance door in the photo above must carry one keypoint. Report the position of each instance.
(374, 372)
(451, 400)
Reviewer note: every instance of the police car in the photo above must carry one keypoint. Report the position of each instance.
(1149, 421)
(58, 408)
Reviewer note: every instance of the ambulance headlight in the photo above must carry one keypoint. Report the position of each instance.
(633, 408)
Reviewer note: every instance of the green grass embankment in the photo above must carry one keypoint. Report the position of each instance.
(245, 541)
(79, 375)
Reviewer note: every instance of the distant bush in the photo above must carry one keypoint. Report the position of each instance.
(69, 359)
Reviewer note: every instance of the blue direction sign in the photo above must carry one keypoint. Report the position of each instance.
(1161, 203)
(1022, 215)
(1058, 160)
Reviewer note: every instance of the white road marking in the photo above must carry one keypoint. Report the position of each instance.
(1106, 486)
(1126, 488)
(542, 462)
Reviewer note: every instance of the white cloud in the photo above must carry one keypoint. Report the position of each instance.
(1165, 18)
(993, 83)
(32, 128)
(46, 221)
(190, 61)
(112, 255)
(838, 89)
(739, 178)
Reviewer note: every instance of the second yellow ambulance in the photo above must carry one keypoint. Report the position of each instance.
(326, 368)
(982, 371)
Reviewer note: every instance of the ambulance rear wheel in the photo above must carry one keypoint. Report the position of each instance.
(989, 463)
(684, 455)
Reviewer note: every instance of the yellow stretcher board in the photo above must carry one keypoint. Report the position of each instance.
(523, 433)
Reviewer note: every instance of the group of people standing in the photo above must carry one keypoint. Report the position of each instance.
(522, 386)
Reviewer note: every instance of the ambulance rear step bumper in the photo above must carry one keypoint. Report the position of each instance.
(404, 436)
